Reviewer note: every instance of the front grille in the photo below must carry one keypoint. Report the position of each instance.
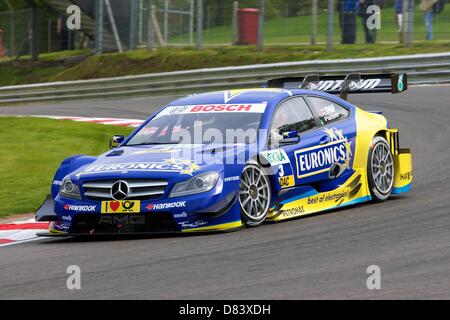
(139, 189)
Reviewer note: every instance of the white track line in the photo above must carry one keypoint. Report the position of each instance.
(23, 241)
(14, 234)
(107, 121)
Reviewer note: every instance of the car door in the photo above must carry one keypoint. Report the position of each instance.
(292, 114)
(332, 155)
(323, 145)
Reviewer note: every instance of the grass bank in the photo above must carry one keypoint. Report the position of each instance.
(83, 65)
(31, 151)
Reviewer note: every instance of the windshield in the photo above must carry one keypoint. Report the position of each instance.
(199, 128)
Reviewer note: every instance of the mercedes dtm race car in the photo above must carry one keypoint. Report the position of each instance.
(222, 160)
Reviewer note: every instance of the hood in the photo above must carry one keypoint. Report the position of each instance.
(172, 162)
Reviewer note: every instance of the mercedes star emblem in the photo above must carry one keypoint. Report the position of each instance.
(119, 190)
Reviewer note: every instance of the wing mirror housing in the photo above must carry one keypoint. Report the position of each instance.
(290, 137)
(116, 141)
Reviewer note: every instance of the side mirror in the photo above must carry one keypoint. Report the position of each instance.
(116, 141)
(290, 137)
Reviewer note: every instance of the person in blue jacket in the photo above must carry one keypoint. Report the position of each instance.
(370, 33)
(347, 16)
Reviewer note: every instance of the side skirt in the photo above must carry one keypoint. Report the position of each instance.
(353, 191)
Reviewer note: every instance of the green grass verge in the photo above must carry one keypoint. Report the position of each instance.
(31, 151)
(58, 56)
(24, 71)
(54, 68)
(298, 29)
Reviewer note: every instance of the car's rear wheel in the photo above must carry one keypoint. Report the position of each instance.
(254, 195)
(380, 169)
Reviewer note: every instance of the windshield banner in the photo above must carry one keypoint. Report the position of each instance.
(215, 108)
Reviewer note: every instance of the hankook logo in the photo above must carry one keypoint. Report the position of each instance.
(119, 190)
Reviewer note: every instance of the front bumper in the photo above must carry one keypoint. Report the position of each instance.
(195, 213)
(403, 171)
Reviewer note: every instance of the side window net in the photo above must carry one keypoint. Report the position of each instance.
(327, 110)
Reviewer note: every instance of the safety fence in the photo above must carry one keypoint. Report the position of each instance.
(422, 69)
(119, 25)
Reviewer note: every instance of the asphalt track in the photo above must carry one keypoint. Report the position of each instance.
(323, 256)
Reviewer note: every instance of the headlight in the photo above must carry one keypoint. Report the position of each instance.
(69, 189)
(201, 183)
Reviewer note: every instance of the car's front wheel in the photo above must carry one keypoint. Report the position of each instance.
(254, 195)
(380, 169)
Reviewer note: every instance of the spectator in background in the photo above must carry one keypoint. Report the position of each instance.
(427, 7)
(347, 16)
(398, 7)
(65, 41)
(2, 52)
(370, 34)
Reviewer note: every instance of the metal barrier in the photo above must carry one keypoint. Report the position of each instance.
(421, 68)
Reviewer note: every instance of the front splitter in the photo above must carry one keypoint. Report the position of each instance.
(134, 234)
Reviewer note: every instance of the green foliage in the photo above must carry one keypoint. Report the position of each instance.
(291, 8)
(20, 4)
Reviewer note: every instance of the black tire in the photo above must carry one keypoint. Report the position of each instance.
(380, 169)
(254, 195)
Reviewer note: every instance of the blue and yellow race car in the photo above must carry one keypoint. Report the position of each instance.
(223, 160)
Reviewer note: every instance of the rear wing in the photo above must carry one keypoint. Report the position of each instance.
(343, 85)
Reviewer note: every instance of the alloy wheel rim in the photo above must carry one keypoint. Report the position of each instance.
(382, 168)
(254, 193)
